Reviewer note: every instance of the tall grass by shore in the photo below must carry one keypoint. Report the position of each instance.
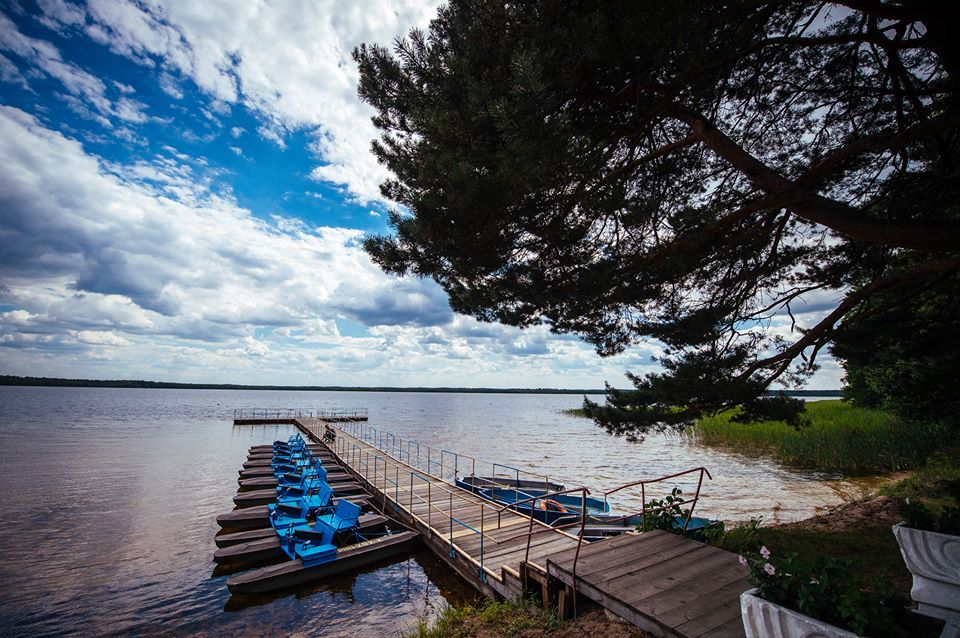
(839, 437)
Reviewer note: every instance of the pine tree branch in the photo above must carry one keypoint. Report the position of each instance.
(822, 330)
(926, 235)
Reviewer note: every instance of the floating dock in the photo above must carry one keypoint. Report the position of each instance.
(661, 582)
(289, 416)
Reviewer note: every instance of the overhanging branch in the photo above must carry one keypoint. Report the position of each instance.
(819, 332)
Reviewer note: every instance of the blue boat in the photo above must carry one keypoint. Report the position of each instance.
(601, 526)
(549, 507)
(315, 545)
(477, 483)
(290, 512)
(563, 509)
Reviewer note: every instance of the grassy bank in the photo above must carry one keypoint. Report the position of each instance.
(936, 484)
(838, 437)
(513, 620)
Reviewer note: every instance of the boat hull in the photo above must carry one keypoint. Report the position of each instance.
(268, 547)
(263, 482)
(477, 483)
(293, 572)
(265, 497)
(248, 536)
(256, 517)
(268, 462)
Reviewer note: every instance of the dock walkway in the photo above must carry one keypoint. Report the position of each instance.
(663, 583)
(485, 544)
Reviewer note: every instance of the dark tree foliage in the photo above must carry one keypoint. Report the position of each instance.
(682, 171)
(902, 353)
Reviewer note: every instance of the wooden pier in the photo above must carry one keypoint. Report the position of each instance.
(486, 544)
(663, 583)
(289, 416)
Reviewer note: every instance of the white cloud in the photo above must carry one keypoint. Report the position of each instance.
(290, 62)
(141, 271)
(86, 93)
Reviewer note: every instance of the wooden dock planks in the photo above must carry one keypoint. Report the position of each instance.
(661, 582)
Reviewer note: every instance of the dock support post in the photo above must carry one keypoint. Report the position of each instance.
(565, 602)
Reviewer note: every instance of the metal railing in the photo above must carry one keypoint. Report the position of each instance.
(645, 511)
(375, 470)
(444, 464)
(418, 455)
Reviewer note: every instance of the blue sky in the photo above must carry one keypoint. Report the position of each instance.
(183, 193)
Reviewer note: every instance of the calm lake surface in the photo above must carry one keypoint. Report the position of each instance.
(111, 495)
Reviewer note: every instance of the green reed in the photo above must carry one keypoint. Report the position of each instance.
(838, 437)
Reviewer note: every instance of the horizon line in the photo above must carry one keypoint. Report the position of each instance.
(13, 380)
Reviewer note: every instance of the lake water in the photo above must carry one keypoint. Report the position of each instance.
(111, 495)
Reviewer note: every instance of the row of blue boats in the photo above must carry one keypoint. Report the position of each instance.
(300, 521)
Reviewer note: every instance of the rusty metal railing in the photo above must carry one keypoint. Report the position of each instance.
(644, 512)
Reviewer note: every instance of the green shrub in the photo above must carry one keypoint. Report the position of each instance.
(828, 589)
(742, 538)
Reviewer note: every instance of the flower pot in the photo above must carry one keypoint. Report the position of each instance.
(764, 619)
(934, 561)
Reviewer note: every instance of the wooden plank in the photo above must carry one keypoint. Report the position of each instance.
(669, 554)
(513, 526)
(545, 550)
(622, 609)
(694, 593)
(502, 545)
(517, 550)
(716, 616)
(637, 586)
(659, 548)
(565, 561)
(730, 629)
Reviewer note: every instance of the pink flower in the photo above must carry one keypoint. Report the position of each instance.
(769, 569)
(743, 561)
(765, 552)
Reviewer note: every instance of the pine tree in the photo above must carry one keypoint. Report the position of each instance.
(677, 170)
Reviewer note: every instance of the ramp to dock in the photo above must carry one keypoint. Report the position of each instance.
(661, 582)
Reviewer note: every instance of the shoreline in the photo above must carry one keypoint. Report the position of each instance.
(54, 382)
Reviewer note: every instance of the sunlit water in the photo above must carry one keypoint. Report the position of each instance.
(111, 495)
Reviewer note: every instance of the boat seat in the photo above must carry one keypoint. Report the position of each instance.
(345, 516)
(298, 513)
(301, 506)
(293, 466)
(316, 554)
(308, 471)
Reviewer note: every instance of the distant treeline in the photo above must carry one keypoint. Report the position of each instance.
(127, 383)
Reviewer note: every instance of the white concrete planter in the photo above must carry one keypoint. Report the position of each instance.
(764, 619)
(934, 561)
